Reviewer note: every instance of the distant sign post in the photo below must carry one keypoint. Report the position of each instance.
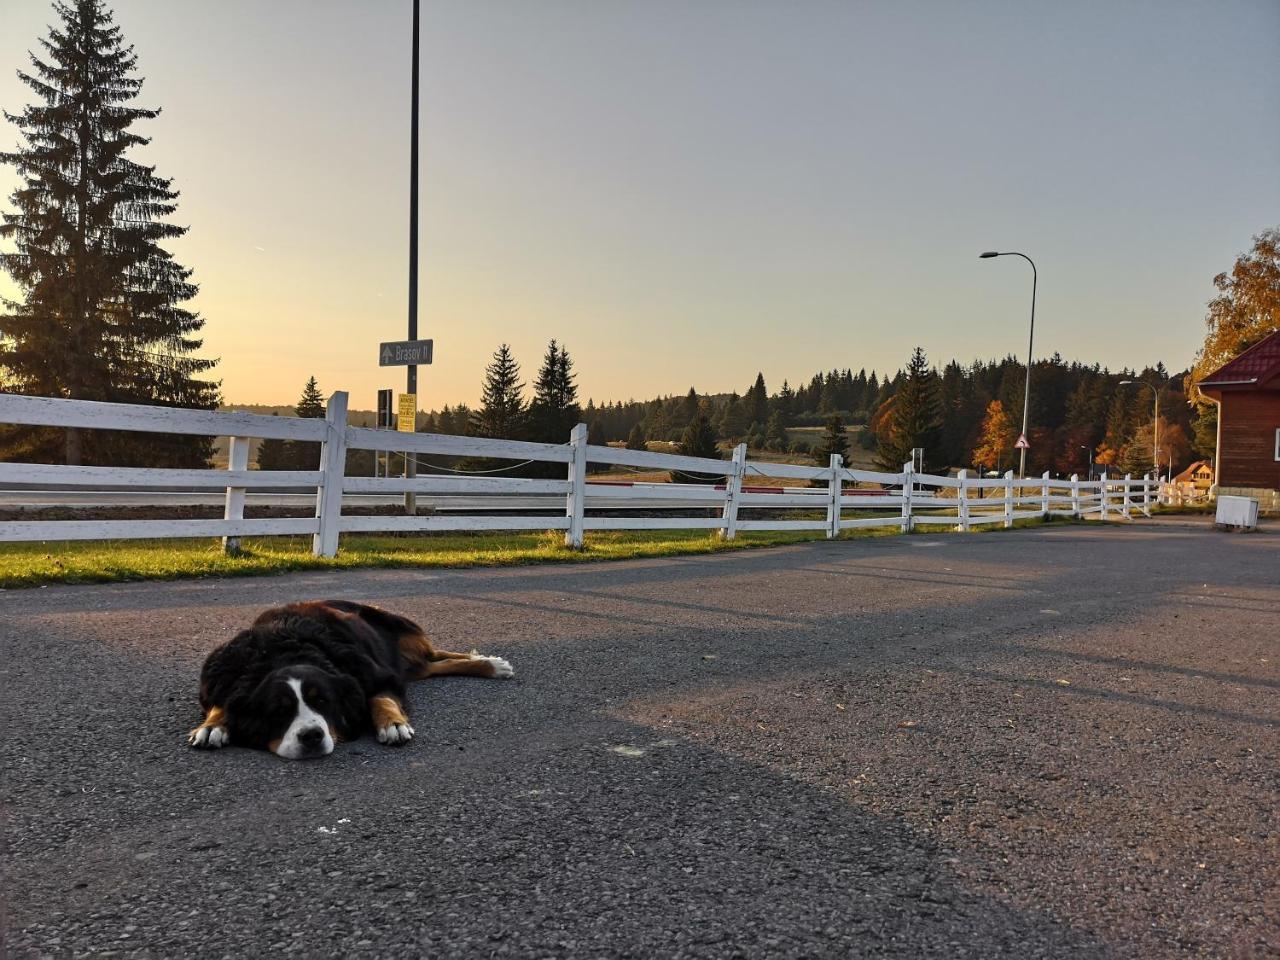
(1022, 443)
(408, 419)
(405, 353)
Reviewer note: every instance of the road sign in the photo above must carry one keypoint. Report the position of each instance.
(408, 420)
(405, 353)
(1022, 443)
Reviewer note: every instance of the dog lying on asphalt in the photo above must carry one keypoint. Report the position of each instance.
(309, 675)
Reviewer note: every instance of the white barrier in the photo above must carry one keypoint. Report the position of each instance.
(903, 500)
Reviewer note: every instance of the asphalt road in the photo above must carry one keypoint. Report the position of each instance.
(1029, 743)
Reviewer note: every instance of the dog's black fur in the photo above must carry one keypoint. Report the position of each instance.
(352, 663)
(351, 659)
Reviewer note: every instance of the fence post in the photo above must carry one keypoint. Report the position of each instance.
(238, 460)
(1146, 494)
(1075, 495)
(1128, 495)
(962, 498)
(1102, 496)
(908, 487)
(1044, 495)
(732, 491)
(575, 503)
(333, 464)
(1008, 498)
(835, 490)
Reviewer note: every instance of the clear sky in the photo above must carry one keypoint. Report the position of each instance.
(686, 193)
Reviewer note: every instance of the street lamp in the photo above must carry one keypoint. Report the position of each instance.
(1026, 396)
(1090, 449)
(1155, 426)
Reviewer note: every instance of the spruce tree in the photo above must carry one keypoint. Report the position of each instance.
(698, 440)
(303, 454)
(758, 401)
(775, 433)
(833, 441)
(311, 403)
(916, 417)
(636, 438)
(273, 454)
(502, 412)
(102, 315)
(554, 410)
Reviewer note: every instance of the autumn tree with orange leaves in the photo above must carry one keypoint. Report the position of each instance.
(1246, 309)
(996, 440)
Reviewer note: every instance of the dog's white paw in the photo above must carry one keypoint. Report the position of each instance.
(501, 668)
(395, 733)
(209, 738)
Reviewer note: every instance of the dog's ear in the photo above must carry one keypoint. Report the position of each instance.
(226, 669)
(351, 706)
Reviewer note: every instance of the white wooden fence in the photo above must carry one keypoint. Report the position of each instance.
(838, 498)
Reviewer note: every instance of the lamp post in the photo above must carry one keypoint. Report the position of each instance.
(411, 379)
(1090, 449)
(1026, 396)
(1155, 424)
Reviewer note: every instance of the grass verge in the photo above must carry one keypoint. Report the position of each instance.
(40, 564)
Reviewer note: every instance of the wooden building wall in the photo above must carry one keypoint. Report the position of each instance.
(1249, 423)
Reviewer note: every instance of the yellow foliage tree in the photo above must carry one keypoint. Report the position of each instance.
(997, 437)
(1246, 309)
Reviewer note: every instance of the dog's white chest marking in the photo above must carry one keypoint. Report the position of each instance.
(298, 741)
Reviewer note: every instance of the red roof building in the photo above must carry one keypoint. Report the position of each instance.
(1247, 391)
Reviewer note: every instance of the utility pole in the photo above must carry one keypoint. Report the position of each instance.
(411, 386)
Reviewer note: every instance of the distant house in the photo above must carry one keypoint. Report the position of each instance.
(1198, 476)
(1192, 485)
(1247, 391)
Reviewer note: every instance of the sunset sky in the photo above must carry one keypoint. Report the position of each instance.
(686, 193)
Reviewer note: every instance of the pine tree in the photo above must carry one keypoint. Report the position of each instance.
(733, 419)
(758, 401)
(311, 403)
(636, 438)
(775, 434)
(554, 411)
(102, 315)
(302, 454)
(502, 412)
(698, 440)
(273, 454)
(915, 419)
(833, 441)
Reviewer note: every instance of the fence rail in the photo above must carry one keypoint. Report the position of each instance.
(839, 498)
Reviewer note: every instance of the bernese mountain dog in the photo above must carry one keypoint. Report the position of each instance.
(309, 675)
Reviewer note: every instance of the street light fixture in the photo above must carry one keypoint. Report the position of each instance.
(1155, 425)
(1026, 396)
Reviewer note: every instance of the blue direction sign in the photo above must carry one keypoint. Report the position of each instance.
(405, 353)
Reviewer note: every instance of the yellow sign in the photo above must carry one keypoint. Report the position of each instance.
(408, 419)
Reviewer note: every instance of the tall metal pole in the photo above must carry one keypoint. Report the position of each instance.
(411, 385)
(1026, 396)
(1155, 424)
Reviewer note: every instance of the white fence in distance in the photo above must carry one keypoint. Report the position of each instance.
(904, 500)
